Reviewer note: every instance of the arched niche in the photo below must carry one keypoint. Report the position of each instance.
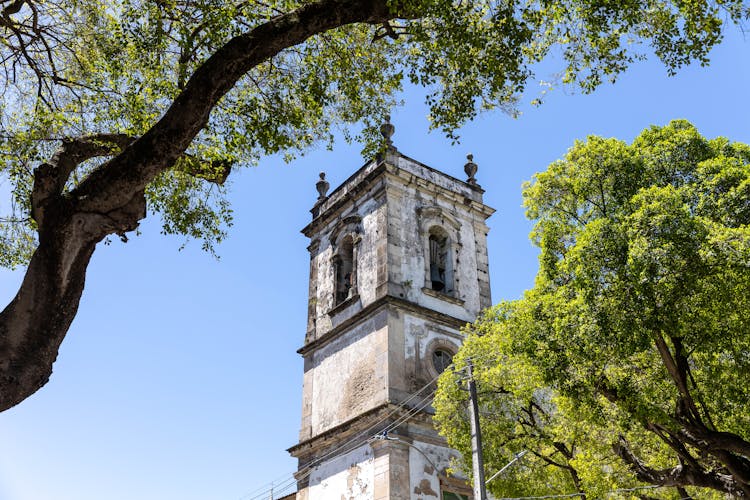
(345, 238)
(439, 233)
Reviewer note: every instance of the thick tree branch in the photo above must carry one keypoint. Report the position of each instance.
(34, 324)
(111, 198)
(159, 148)
(50, 178)
(729, 449)
(716, 440)
(671, 365)
(679, 476)
(677, 367)
(12, 8)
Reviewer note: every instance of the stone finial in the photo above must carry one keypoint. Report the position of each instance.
(387, 130)
(471, 169)
(322, 186)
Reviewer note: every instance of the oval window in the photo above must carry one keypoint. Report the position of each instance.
(441, 359)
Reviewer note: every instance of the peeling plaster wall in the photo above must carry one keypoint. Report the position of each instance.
(353, 476)
(421, 333)
(348, 375)
(435, 177)
(393, 246)
(357, 358)
(347, 477)
(424, 478)
(408, 252)
(371, 230)
(420, 337)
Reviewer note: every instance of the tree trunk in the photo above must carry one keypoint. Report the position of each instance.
(110, 200)
(34, 324)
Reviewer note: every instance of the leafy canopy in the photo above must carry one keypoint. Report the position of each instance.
(78, 67)
(628, 363)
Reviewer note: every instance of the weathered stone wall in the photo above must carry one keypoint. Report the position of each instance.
(370, 352)
(346, 377)
(414, 206)
(346, 477)
(391, 207)
(427, 176)
(365, 219)
(427, 464)
(385, 470)
(413, 339)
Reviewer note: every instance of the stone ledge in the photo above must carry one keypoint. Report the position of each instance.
(438, 317)
(343, 305)
(442, 296)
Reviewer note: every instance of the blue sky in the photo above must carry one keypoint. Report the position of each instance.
(179, 378)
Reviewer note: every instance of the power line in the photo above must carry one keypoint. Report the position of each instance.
(368, 432)
(265, 488)
(424, 403)
(570, 495)
(353, 443)
(308, 469)
(293, 477)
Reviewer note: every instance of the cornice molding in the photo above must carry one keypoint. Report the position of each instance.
(375, 307)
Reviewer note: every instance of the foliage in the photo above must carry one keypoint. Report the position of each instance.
(628, 363)
(113, 108)
(78, 67)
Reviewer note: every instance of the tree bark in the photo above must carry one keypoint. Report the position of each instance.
(679, 476)
(729, 450)
(111, 201)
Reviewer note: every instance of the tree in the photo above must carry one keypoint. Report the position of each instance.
(110, 107)
(629, 360)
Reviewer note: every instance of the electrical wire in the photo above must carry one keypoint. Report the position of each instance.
(424, 403)
(279, 487)
(355, 442)
(367, 434)
(265, 488)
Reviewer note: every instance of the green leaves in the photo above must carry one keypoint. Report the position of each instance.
(192, 207)
(636, 331)
(78, 67)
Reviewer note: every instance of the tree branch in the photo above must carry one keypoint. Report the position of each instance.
(676, 366)
(717, 440)
(111, 198)
(50, 178)
(159, 147)
(679, 476)
(12, 8)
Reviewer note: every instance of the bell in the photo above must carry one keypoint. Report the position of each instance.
(437, 278)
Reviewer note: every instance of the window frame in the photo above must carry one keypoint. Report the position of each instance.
(344, 255)
(439, 222)
(437, 344)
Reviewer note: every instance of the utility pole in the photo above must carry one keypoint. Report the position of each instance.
(480, 492)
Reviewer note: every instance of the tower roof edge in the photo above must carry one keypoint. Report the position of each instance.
(400, 162)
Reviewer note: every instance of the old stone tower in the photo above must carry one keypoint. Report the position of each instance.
(398, 264)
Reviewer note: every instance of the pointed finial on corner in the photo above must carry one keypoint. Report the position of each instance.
(471, 169)
(322, 186)
(387, 130)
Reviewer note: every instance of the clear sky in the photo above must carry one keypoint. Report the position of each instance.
(179, 378)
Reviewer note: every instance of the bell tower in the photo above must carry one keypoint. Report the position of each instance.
(398, 264)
